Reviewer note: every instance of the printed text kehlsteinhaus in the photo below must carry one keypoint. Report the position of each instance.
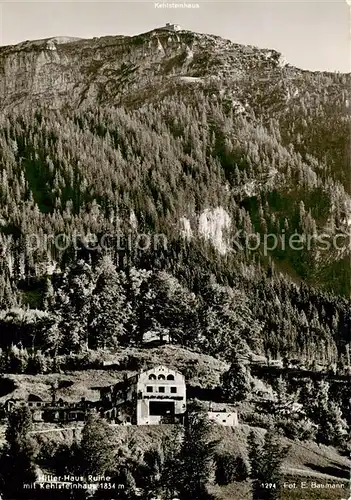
(173, 5)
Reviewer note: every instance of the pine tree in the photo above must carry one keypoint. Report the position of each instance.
(265, 462)
(195, 457)
(17, 458)
(109, 310)
(49, 296)
(170, 450)
(97, 447)
(235, 383)
(72, 306)
(175, 308)
(255, 453)
(332, 428)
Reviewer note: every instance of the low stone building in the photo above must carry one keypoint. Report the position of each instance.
(225, 418)
(225, 415)
(53, 411)
(151, 397)
(154, 338)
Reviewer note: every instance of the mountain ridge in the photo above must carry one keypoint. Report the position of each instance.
(57, 65)
(60, 39)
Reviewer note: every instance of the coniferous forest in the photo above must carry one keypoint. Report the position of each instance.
(113, 172)
(132, 197)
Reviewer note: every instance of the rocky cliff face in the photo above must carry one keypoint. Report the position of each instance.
(67, 71)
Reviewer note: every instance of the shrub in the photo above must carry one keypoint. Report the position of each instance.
(81, 361)
(259, 420)
(293, 428)
(130, 363)
(230, 468)
(37, 363)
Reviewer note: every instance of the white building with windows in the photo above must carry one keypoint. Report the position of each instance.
(173, 27)
(151, 397)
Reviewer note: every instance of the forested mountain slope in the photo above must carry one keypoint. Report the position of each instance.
(215, 146)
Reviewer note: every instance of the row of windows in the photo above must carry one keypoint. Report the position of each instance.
(152, 376)
(52, 403)
(149, 388)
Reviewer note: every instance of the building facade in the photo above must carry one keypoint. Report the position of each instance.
(53, 411)
(225, 418)
(173, 27)
(151, 397)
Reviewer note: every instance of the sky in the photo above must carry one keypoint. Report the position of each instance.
(312, 35)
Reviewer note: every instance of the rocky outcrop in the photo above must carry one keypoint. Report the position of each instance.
(69, 71)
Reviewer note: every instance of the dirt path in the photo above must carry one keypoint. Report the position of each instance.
(311, 473)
